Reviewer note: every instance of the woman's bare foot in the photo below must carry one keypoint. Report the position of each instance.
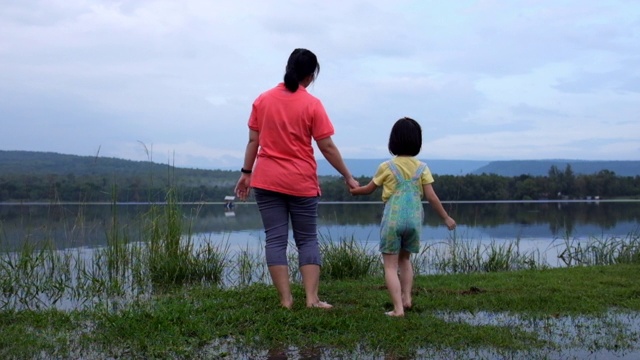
(394, 314)
(320, 305)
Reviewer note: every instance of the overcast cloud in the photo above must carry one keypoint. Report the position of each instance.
(174, 80)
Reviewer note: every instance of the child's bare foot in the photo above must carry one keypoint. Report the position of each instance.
(394, 314)
(320, 305)
(406, 302)
(287, 303)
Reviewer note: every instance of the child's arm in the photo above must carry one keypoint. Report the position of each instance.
(436, 205)
(364, 190)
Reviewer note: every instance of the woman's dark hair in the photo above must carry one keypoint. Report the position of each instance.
(301, 64)
(405, 138)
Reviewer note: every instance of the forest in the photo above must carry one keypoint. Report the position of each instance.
(556, 185)
(213, 185)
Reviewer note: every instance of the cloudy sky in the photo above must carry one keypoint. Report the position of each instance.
(174, 80)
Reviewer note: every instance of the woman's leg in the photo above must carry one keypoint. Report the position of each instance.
(406, 277)
(280, 278)
(304, 216)
(275, 218)
(391, 279)
(311, 281)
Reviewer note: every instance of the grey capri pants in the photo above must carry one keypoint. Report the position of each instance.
(275, 209)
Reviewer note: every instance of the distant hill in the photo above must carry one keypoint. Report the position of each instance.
(367, 167)
(541, 167)
(49, 163)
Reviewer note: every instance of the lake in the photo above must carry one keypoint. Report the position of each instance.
(535, 224)
(75, 281)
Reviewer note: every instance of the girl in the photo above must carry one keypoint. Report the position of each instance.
(404, 180)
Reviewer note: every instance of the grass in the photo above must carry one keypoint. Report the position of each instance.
(466, 256)
(173, 258)
(601, 250)
(202, 321)
(168, 295)
(348, 259)
(40, 277)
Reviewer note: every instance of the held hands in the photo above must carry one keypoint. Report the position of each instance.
(243, 187)
(351, 183)
(364, 190)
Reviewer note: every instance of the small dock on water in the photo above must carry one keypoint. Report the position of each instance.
(228, 202)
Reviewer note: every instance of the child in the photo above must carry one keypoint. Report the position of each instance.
(404, 180)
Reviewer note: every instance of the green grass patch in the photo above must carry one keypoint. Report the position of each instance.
(559, 291)
(29, 334)
(226, 323)
(348, 259)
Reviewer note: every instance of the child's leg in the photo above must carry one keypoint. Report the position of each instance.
(406, 277)
(392, 281)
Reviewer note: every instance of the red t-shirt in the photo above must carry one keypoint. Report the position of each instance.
(286, 123)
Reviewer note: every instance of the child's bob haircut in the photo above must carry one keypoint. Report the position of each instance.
(405, 138)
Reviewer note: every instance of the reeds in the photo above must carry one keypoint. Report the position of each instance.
(161, 252)
(465, 256)
(605, 250)
(249, 268)
(40, 276)
(348, 259)
(173, 257)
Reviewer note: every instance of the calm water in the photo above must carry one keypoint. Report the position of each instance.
(536, 224)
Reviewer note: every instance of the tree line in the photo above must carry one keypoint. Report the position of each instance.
(213, 186)
(557, 185)
(102, 188)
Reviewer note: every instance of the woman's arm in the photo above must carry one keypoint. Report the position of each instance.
(243, 186)
(251, 150)
(330, 152)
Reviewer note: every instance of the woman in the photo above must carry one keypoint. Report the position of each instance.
(280, 166)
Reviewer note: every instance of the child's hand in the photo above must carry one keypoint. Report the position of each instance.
(363, 190)
(451, 224)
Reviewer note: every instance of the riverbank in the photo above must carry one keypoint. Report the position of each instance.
(550, 313)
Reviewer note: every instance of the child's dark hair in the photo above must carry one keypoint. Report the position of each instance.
(405, 138)
(301, 63)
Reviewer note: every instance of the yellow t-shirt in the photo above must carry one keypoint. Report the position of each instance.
(407, 165)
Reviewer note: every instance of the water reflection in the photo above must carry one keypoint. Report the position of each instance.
(292, 353)
(433, 354)
(70, 226)
(579, 337)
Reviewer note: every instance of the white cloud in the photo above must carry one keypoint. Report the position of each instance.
(486, 79)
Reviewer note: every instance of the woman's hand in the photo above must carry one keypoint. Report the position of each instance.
(352, 183)
(243, 187)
